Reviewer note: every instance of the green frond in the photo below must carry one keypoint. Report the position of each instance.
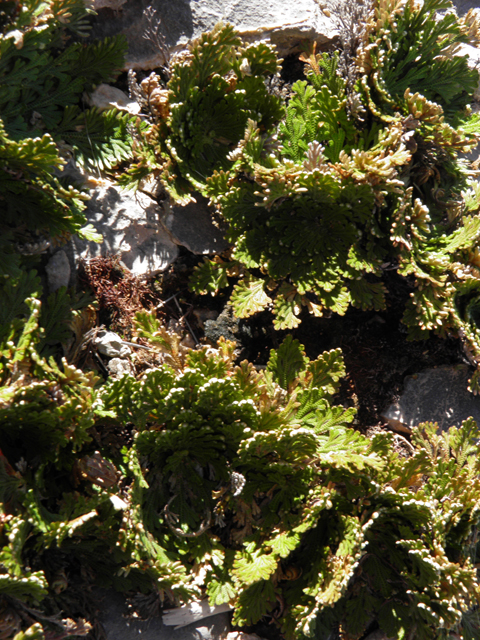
(252, 567)
(287, 307)
(254, 602)
(220, 592)
(14, 292)
(54, 317)
(262, 60)
(249, 297)
(27, 588)
(98, 139)
(101, 60)
(209, 277)
(287, 363)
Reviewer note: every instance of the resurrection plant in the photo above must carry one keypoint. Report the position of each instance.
(361, 171)
(254, 484)
(246, 486)
(44, 71)
(203, 477)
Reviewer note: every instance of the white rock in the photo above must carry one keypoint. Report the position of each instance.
(58, 271)
(151, 186)
(241, 635)
(111, 344)
(106, 97)
(192, 612)
(130, 224)
(119, 367)
(286, 24)
(473, 62)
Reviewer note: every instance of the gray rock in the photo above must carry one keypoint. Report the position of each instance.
(58, 271)
(149, 25)
(118, 627)
(462, 6)
(225, 326)
(107, 97)
(192, 227)
(434, 395)
(119, 367)
(131, 228)
(111, 344)
(231, 328)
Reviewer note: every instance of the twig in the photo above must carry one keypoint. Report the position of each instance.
(162, 302)
(139, 346)
(184, 317)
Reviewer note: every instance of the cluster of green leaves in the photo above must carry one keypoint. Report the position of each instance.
(46, 412)
(46, 406)
(256, 485)
(44, 71)
(247, 486)
(352, 177)
(212, 93)
(360, 177)
(410, 46)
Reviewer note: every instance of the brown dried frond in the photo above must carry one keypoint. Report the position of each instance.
(471, 26)
(154, 34)
(156, 96)
(315, 158)
(117, 290)
(135, 90)
(422, 109)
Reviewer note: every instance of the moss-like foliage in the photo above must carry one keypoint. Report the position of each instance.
(247, 486)
(362, 173)
(44, 71)
(203, 477)
(201, 115)
(362, 176)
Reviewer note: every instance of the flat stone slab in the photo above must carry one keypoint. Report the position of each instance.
(192, 226)
(286, 24)
(435, 395)
(119, 626)
(130, 224)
